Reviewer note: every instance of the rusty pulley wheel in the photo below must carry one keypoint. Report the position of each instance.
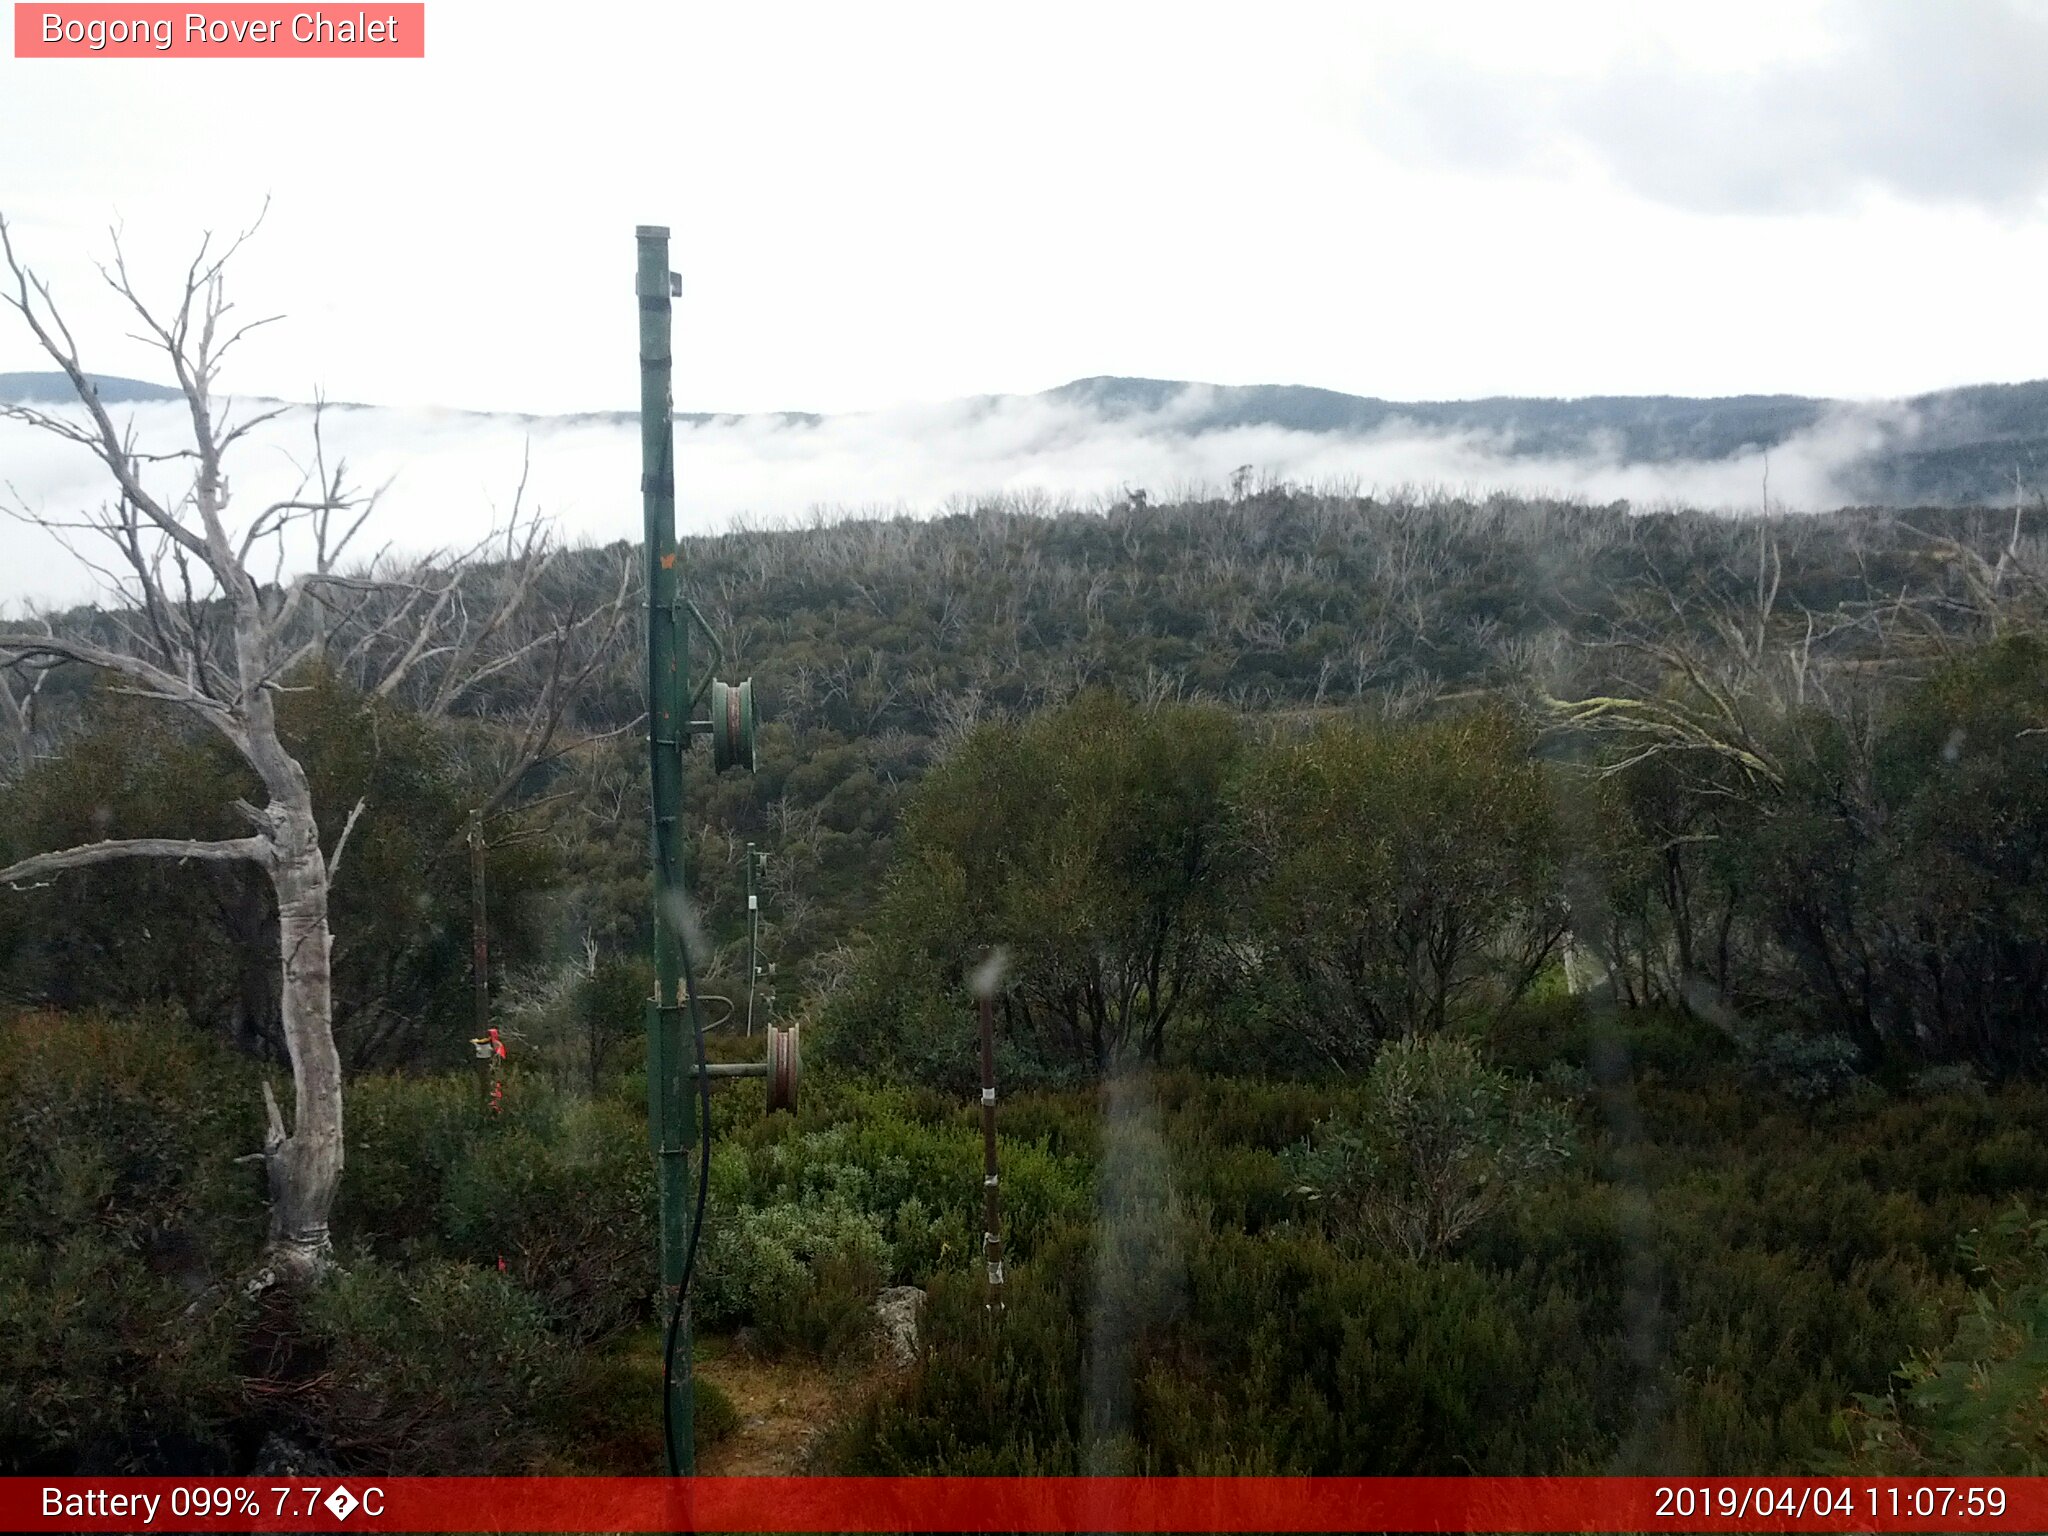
(784, 1066)
(732, 725)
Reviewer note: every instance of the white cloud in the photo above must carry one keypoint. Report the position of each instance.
(1935, 104)
(885, 203)
(452, 475)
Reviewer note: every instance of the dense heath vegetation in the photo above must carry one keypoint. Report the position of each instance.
(1490, 986)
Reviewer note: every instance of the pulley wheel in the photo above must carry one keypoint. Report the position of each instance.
(784, 1066)
(732, 725)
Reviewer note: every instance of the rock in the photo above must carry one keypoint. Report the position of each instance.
(897, 1311)
(282, 1456)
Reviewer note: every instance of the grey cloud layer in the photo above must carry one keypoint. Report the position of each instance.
(1935, 103)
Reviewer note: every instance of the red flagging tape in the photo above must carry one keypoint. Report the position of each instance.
(861, 1504)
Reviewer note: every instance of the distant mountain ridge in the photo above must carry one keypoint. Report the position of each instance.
(55, 388)
(1947, 447)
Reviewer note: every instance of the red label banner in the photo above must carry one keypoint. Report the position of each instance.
(223, 31)
(806, 1504)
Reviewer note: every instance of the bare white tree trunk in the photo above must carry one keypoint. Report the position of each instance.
(203, 634)
(305, 1164)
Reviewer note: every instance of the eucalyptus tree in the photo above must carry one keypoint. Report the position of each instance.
(197, 628)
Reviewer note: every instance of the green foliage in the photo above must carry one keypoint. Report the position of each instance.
(405, 1136)
(1289, 904)
(1888, 892)
(609, 1419)
(128, 1129)
(126, 1229)
(1004, 1400)
(203, 936)
(401, 908)
(881, 1158)
(761, 1258)
(1086, 845)
(1397, 873)
(611, 1005)
(1976, 1401)
(712, 1414)
(561, 1189)
(1704, 1292)
(137, 932)
(120, 1206)
(811, 1222)
(566, 1201)
(100, 1367)
(1440, 1144)
(435, 1370)
(1710, 1277)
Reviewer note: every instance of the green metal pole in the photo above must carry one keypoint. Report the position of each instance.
(671, 1106)
(753, 932)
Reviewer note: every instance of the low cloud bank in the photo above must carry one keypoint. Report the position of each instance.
(450, 476)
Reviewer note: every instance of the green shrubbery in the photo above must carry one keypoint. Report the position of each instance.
(1877, 884)
(812, 1219)
(127, 1229)
(566, 1201)
(203, 936)
(120, 1205)
(1976, 1401)
(1823, 938)
(1705, 1285)
(761, 1259)
(101, 1370)
(1161, 882)
(561, 1188)
(1702, 1288)
(423, 1370)
(1441, 1143)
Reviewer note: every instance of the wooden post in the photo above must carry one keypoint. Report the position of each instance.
(991, 1210)
(479, 930)
(480, 957)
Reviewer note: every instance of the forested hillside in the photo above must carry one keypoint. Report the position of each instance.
(1459, 953)
(875, 645)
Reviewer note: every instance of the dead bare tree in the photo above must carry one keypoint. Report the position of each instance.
(1702, 694)
(197, 629)
(1996, 596)
(1702, 675)
(206, 638)
(18, 715)
(447, 634)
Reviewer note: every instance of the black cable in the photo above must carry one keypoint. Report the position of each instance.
(675, 1316)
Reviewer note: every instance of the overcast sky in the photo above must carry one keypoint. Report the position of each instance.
(876, 204)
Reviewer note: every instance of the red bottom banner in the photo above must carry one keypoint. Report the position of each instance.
(861, 1504)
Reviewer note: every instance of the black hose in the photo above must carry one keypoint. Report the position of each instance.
(675, 1316)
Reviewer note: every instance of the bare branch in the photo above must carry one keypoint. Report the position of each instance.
(242, 849)
(153, 681)
(341, 843)
(31, 299)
